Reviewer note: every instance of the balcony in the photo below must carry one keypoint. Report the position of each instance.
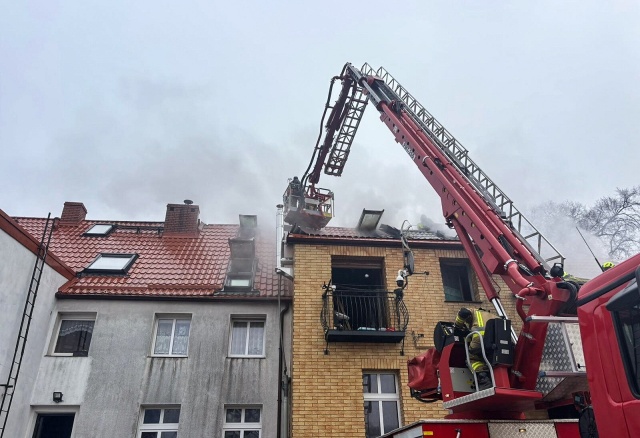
(363, 316)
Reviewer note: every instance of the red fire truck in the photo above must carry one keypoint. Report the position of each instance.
(579, 344)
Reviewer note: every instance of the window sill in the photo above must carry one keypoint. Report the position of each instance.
(66, 355)
(463, 301)
(168, 356)
(246, 357)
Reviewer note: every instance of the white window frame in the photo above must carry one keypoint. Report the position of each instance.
(128, 260)
(56, 410)
(160, 426)
(92, 232)
(174, 318)
(242, 427)
(248, 320)
(380, 397)
(69, 316)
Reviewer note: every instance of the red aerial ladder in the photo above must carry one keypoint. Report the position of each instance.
(544, 366)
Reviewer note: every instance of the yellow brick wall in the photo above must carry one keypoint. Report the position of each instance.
(327, 399)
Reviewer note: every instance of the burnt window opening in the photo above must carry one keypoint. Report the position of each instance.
(242, 264)
(456, 280)
(360, 298)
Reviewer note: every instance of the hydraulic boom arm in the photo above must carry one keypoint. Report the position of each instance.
(496, 236)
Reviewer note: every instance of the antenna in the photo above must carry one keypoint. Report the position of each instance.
(594, 256)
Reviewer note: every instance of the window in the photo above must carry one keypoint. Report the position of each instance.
(360, 293)
(73, 335)
(381, 403)
(456, 280)
(242, 422)
(111, 264)
(242, 265)
(172, 336)
(160, 422)
(99, 230)
(627, 322)
(59, 425)
(247, 338)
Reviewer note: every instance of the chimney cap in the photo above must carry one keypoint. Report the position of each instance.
(188, 201)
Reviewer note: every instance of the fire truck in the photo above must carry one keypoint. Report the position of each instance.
(579, 344)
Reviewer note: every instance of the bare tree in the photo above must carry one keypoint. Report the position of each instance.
(615, 219)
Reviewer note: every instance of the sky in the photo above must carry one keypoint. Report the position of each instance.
(129, 106)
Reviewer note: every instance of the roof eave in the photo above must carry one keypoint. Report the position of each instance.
(370, 241)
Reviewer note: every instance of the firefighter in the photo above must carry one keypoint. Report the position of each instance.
(474, 320)
(296, 191)
(607, 265)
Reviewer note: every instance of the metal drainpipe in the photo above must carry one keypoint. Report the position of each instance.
(281, 274)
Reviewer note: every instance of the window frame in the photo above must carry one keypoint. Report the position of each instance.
(248, 319)
(51, 410)
(89, 232)
(160, 426)
(383, 397)
(175, 317)
(70, 316)
(242, 426)
(122, 271)
(445, 262)
(632, 373)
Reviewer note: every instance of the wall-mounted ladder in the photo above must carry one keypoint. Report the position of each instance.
(537, 244)
(9, 387)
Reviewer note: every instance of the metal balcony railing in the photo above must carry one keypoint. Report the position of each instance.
(352, 315)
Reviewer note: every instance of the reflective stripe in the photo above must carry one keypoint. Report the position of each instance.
(480, 322)
(477, 365)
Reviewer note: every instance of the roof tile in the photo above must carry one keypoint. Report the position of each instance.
(166, 266)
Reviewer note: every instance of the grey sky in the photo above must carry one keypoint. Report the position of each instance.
(127, 106)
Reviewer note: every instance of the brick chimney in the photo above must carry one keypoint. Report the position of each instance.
(73, 213)
(182, 220)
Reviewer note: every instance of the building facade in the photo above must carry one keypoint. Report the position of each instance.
(18, 255)
(353, 337)
(174, 328)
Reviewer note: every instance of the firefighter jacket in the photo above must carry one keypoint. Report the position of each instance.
(480, 317)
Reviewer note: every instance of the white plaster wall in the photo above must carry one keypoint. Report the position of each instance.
(119, 376)
(16, 268)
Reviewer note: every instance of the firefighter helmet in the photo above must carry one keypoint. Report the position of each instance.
(607, 265)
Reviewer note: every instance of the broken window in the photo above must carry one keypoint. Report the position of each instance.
(456, 280)
(360, 298)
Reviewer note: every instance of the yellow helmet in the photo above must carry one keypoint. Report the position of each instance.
(607, 265)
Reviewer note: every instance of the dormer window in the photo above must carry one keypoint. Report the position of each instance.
(99, 230)
(242, 266)
(111, 264)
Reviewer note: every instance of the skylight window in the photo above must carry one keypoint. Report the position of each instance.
(99, 230)
(111, 264)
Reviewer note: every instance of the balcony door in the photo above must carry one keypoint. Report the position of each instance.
(360, 298)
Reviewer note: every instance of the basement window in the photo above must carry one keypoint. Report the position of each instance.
(111, 264)
(99, 230)
(456, 280)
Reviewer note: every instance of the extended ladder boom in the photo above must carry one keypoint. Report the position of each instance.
(497, 237)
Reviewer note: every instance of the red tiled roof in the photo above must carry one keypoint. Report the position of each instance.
(166, 266)
(26, 239)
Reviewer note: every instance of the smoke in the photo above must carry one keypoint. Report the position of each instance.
(561, 231)
(438, 228)
(161, 143)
